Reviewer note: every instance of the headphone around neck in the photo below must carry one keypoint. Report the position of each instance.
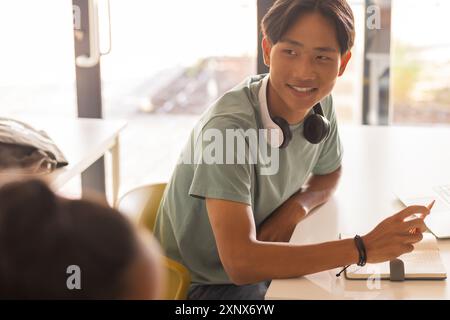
(316, 127)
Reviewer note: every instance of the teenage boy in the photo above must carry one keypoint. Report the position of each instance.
(230, 223)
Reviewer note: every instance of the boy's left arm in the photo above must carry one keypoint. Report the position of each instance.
(282, 222)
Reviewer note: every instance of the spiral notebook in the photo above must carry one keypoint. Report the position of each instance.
(424, 263)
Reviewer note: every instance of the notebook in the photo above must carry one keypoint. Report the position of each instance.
(424, 263)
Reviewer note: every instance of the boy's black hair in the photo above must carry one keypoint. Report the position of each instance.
(283, 14)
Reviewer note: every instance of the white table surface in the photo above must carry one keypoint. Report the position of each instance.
(377, 161)
(82, 141)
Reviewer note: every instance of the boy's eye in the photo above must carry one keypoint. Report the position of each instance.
(323, 58)
(290, 52)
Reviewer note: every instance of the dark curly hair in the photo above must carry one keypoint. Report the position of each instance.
(41, 235)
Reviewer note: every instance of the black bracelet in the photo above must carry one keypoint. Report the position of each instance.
(361, 250)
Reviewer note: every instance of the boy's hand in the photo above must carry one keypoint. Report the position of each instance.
(392, 237)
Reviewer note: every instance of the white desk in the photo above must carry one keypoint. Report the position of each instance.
(82, 141)
(376, 161)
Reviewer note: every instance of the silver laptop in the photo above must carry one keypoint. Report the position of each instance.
(439, 220)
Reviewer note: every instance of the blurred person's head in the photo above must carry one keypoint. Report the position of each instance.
(306, 45)
(42, 235)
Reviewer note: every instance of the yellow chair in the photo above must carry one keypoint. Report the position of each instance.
(144, 202)
(178, 280)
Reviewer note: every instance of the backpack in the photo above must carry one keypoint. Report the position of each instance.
(26, 149)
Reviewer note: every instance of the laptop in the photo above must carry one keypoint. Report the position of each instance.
(438, 222)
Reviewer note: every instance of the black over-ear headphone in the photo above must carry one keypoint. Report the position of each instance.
(316, 127)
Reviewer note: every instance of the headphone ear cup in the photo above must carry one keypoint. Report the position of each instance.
(284, 126)
(316, 128)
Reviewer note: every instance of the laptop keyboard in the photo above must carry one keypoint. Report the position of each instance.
(444, 193)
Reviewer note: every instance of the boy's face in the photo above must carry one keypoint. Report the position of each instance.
(304, 64)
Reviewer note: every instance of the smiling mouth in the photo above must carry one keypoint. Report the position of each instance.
(302, 89)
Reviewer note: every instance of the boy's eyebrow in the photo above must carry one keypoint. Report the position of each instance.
(299, 44)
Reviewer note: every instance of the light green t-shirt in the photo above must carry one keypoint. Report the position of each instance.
(182, 224)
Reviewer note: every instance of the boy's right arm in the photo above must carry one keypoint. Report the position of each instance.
(247, 260)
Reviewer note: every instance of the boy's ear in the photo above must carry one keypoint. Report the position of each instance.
(267, 47)
(344, 61)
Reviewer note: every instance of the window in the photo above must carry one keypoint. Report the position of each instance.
(169, 61)
(421, 62)
(347, 94)
(37, 58)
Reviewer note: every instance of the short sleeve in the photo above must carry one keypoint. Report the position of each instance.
(221, 172)
(330, 158)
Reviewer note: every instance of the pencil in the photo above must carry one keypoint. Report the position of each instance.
(430, 206)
